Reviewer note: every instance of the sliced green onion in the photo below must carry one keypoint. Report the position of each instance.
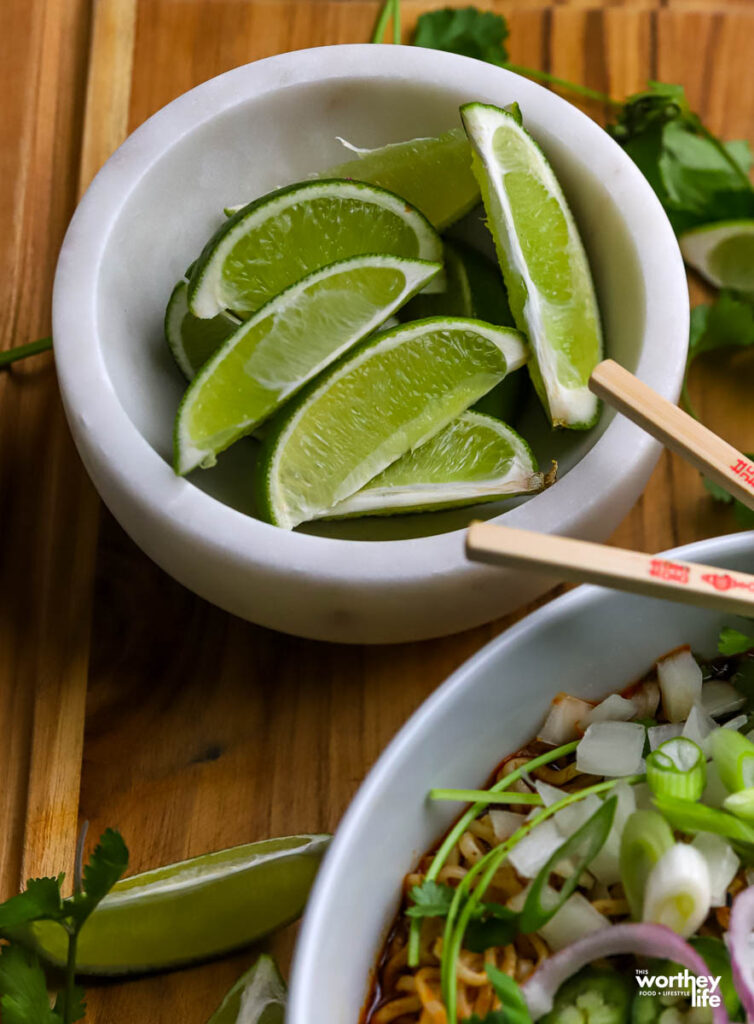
(688, 816)
(733, 755)
(467, 899)
(584, 845)
(510, 995)
(485, 796)
(678, 893)
(741, 803)
(677, 768)
(463, 823)
(646, 837)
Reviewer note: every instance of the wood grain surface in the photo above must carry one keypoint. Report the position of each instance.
(203, 731)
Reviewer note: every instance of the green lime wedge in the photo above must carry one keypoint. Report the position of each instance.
(258, 997)
(192, 910)
(723, 253)
(278, 239)
(391, 394)
(543, 262)
(433, 174)
(475, 458)
(191, 340)
(474, 288)
(286, 343)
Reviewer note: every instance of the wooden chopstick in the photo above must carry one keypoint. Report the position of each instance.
(678, 431)
(580, 561)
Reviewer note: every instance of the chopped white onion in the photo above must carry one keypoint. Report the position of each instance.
(737, 722)
(722, 864)
(606, 865)
(575, 919)
(680, 684)
(572, 818)
(657, 734)
(678, 891)
(505, 823)
(561, 724)
(698, 727)
(611, 748)
(646, 699)
(721, 698)
(612, 709)
(533, 851)
(643, 796)
(550, 794)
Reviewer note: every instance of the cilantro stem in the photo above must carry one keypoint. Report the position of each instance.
(387, 10)
(462, 824)
(489, 864)
(12, 355)
(545, 76)
(397, 22)
(70, 977)
(483, 796)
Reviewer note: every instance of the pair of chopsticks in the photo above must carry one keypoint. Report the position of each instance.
(585, 562)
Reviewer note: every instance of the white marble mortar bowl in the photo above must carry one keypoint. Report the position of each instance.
(591, 642)
(147, 215)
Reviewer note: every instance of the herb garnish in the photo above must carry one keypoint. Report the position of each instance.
(513, 1010)
(731, 641)
(23, 985)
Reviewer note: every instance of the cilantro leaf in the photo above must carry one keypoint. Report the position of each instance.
(726, 323)
(496, 926)
(105, 867)
(514, 1009)
(731, 641)
(493, 1017)
(697, 178)
(465, 30)
(430, 899)
(40, 901)
(23, 989)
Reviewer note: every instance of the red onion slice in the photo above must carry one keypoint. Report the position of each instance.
(739, 945)
(653, 940)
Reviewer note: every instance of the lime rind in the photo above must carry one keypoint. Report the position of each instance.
(287, 504)
(190, 340)
(723, 253)
(258, 997)
(563, 326)
(190, 911)
(351, 210)
(449, 471)
(251, 395)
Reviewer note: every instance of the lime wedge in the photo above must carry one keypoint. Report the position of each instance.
(433, 174)
(278, 239)
(387, 397)
(543, 262)
(723, 253)
(286, 343)
(258, 997)
(475, 458)
(191, 340)
(474, 288)
(192, 910)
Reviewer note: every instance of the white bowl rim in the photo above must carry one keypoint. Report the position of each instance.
(325, 890)
(132, 466)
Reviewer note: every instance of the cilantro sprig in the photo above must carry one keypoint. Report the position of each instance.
(23, 984)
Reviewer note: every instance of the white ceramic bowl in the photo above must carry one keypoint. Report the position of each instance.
(590, 642)
(148, 213)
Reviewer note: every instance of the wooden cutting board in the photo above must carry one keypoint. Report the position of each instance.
(124, 699)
